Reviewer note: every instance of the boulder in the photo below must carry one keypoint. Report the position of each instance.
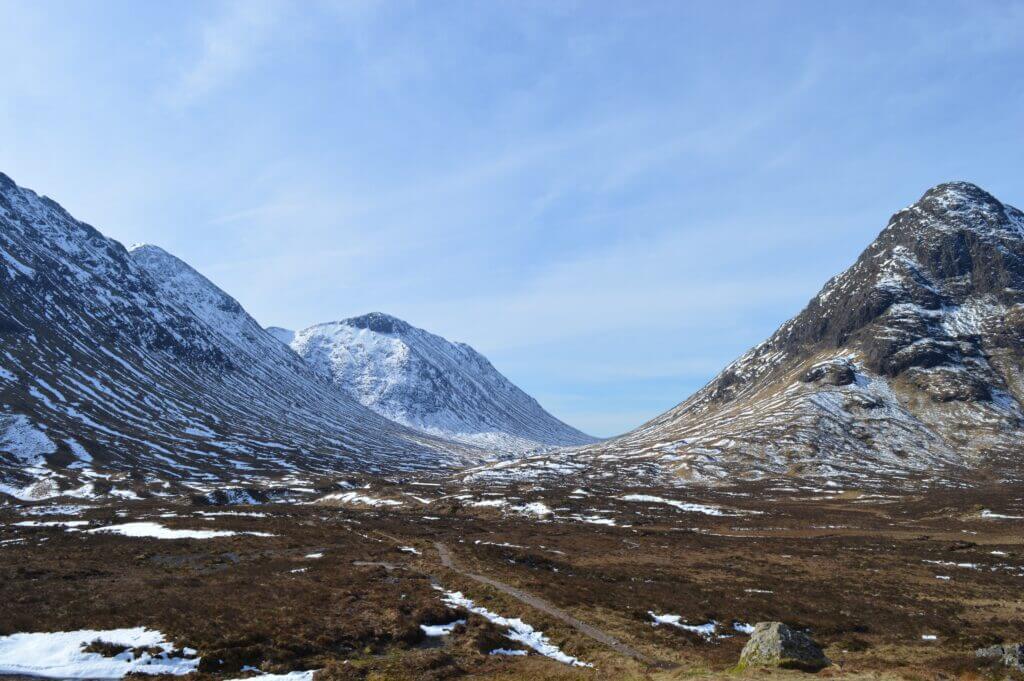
(1011, 656)
(773, 644)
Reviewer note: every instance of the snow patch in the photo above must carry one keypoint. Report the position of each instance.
(706, 630)
(19, 437)
(60, 654)
(290, 676)
(440, 629)
(157, 531)
(681, 505)
(518, 630)
(359, 499)
(999, 516)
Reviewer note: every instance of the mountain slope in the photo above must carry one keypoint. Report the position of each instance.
(908, 364)
(136, 362)
(426, 382)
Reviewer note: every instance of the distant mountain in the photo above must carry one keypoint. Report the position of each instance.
(908, 364)
(111, 361)
(426, 382)
(286, 336)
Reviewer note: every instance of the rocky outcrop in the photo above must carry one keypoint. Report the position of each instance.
(1011, 656)
(774, 644)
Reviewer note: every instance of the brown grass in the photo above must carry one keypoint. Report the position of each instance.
(854, 573)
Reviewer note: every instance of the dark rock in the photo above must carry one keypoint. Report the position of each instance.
(379, 323)
(10, 326)
(833, 373)
(923, 353)
(231, 496)
(946, 384)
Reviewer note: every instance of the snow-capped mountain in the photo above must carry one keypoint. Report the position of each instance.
(118, 361)
(426, 382)
(908, 364)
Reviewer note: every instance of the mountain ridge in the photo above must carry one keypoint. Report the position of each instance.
(108, 360)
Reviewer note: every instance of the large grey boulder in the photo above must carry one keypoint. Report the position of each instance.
(1011, 656)
(773, 644)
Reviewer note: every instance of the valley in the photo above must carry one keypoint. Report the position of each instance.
(362, 340)
(892, 584)
(185, 492)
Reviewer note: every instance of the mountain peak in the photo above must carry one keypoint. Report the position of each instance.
(959, 190)
(955, 206)
(159, 262)
(379, 323)
(960, 196)
(905, 363)
(148, 248)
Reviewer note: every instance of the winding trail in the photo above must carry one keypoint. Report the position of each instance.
(549, 608)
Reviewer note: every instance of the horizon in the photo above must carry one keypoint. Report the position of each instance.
(576, 191)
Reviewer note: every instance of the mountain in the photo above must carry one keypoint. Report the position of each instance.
(118, 361)
(286, 336)
(906, 365)
(426, 382)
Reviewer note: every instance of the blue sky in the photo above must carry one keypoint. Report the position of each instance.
(611, 200)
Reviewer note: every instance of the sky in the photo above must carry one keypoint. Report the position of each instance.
(610, 200)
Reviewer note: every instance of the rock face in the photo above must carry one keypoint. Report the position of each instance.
(1011, 656)
(773, 644)
(426, 382)
(111, 360)
(907, 366)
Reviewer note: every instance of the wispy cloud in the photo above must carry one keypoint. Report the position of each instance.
(610, 199)
(668, 281)
(227, 44)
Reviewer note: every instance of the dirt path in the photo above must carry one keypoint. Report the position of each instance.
(549, 608)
